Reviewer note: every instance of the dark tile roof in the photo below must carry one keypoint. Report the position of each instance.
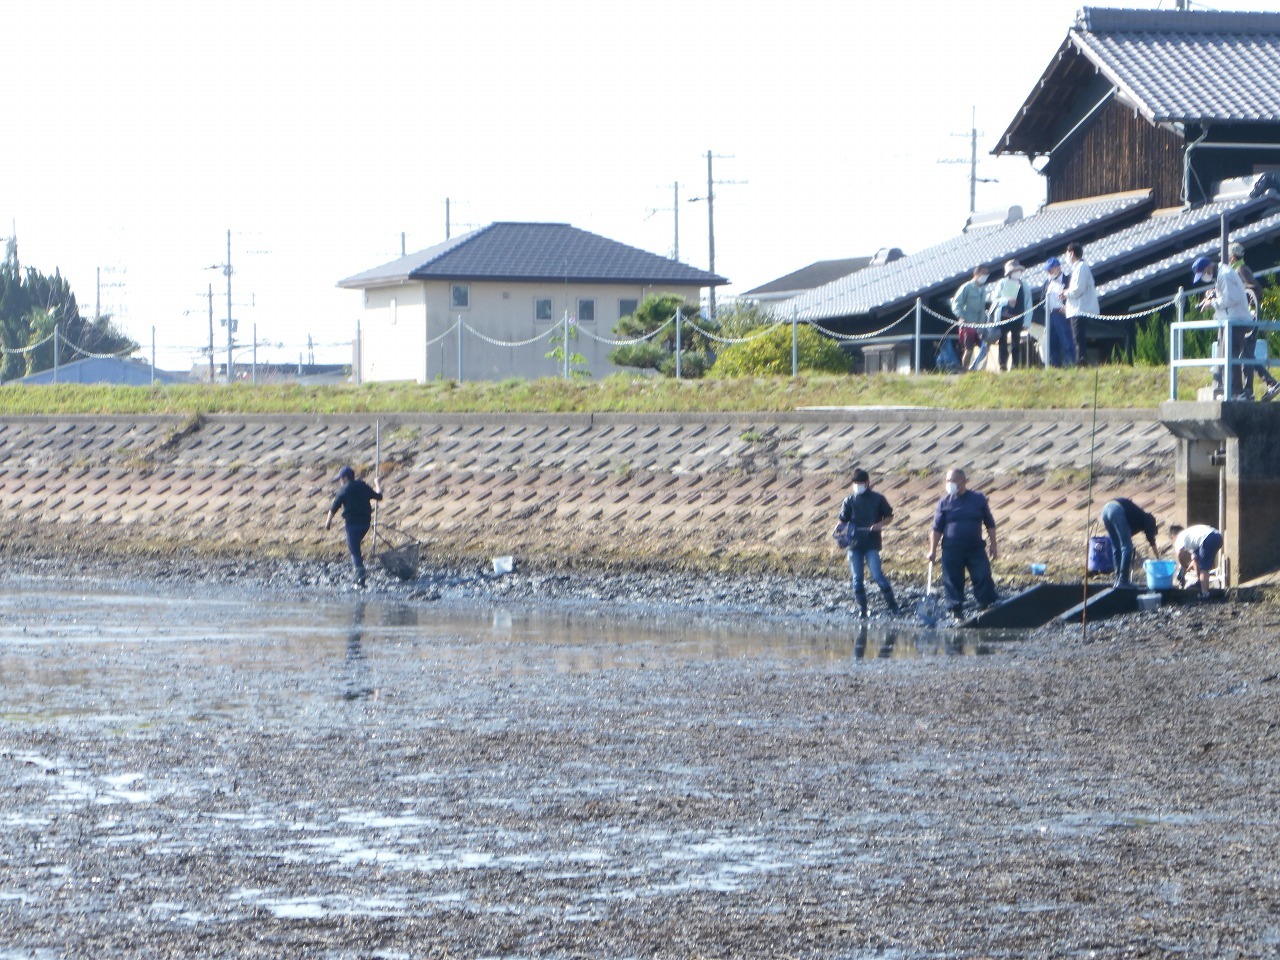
(814, 275)
(1170, 65)
(893, 287)
(534, 252)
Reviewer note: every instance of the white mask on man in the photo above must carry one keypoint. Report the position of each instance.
(952, 487)
(859, 488)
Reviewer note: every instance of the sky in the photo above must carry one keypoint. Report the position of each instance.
(319, 132)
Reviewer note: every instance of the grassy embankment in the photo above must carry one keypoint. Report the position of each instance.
(1117, 386)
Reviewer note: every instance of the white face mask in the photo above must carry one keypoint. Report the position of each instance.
(859, 488)
(1016, 275)
(982, 279)
(952, 487)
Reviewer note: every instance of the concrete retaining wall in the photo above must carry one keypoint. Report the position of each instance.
(749, 491)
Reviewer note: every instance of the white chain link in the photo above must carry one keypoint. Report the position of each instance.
(853, 337)
(634, 340)
(435, 340)
(99, 356)
(27, 349)
(512, 343)
(731, 340)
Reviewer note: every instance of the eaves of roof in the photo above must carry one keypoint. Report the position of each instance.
(883, 290)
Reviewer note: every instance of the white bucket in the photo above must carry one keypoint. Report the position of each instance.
(503, 565)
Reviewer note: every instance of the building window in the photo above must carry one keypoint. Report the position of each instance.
(627, 308)
(460, 296)
(586, 311)
(542, 309)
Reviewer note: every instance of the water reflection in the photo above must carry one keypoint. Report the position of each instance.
(357, 685)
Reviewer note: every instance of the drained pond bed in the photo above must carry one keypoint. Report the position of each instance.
(231, 766)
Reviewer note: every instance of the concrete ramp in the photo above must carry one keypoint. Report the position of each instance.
(1032, 608)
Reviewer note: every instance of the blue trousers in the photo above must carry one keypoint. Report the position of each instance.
(955, 560)
(1062, 350)
(1121, 536)
(872, 563)
(355, 536)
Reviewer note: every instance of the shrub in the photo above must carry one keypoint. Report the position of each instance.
(770, 355)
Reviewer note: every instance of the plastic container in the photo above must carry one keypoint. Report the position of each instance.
(1149, 601)
(1039, 569)
(502, 565)
(1159, 574)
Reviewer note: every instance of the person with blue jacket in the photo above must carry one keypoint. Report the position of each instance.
(355, 498)
(958, 524)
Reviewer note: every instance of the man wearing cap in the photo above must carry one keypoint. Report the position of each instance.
(1230, 303)
(1057, 337)
(958, 523)
(1249, 350)
(863, 514)
(355, 497)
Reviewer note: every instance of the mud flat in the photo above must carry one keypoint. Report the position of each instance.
(202, 761)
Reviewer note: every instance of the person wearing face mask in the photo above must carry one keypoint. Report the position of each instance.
(969, 306)
(1081, 296)
(958, 522)
(1013, 301)
(863, 514)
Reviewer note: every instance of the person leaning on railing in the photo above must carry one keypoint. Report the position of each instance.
(1249, 350)
(1230, 305)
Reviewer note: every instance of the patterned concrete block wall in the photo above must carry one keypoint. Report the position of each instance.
(719, 490)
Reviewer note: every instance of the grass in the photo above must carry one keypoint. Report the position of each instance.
(1118, 386)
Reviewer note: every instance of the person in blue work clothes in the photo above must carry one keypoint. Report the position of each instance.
(863, 514)
(1123, 518)
(356, 500)
(957, 525)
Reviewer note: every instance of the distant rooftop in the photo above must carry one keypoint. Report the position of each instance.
(806, 278)
(533, 252)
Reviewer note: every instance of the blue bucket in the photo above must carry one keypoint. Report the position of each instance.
(1159, 574)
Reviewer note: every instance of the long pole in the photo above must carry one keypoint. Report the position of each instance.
(711, 236)
(918, 320)
(211, 359)
(377, 478)
(255, 353)
(153, 355)
(1088, 508)
(230, 341)
(795, 343)
(55, 353)
(675, 250)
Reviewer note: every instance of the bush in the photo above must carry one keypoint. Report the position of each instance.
(770, 355)
(647, 355)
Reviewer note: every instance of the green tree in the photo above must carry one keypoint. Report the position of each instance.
(658, 352)
(577, 362)
(31, 304)
(770, 354)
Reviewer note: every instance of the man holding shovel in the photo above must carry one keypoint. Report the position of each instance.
(958, 523)
(356, 500)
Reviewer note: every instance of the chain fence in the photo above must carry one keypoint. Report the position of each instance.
(570, 327)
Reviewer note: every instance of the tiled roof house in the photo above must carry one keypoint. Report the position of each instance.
(507, 283)
(1153, 129)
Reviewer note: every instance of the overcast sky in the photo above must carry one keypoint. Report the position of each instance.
(139, 132)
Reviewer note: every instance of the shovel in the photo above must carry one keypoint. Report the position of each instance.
(927, 609)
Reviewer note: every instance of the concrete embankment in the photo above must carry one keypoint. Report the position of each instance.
(589, 491)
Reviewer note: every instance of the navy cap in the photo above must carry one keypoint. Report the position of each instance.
(1052, 262)
(346, 473)
(1199, 267)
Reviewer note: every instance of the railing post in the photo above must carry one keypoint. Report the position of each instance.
(1175, 343)
(919, 313)
(254, 379)
(55, 353)
(795, 343)
(460, 347)
(679, 313)
(153, 355)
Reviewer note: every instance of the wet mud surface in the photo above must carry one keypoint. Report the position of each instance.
(260, 762)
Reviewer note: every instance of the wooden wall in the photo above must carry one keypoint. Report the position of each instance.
(1118, 151)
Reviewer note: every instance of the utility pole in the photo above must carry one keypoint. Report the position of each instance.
(212, 372)
(446, 218)
(974, 179)
(710, 198)
(226, 268)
